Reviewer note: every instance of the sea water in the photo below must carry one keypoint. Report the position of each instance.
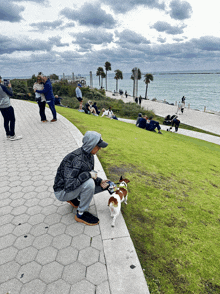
(201, 89)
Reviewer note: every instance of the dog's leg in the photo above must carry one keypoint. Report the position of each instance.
(113, 221)
(126, 199)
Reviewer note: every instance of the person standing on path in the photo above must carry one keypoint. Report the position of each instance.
(40, 98)
(76, 182)
(8, 111)
(79, 96)
(50, 99)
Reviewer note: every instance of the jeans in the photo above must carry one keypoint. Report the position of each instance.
(9, 120)
(84, 192)
(52, 108)
(42, 110)
(153, 125)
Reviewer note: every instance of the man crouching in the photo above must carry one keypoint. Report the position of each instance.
(76, 182)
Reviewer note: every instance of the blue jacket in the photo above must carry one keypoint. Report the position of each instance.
(142, 123)
(47, 91)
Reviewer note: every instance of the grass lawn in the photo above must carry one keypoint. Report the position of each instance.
(173, 206)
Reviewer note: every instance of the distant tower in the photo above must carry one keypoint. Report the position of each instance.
(73, 78)
(64, 76)
(91, 81)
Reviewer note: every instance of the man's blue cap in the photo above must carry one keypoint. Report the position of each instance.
(79, 85)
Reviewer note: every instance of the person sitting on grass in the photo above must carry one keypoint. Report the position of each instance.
(58, 100)
(76, 181)
(89, 108)
(138, 119)
(109, 113)
(151, 125)
(96, 108)
(142, 122)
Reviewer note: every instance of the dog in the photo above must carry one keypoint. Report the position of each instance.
(118, 195)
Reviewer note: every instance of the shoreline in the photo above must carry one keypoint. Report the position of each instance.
(206, 121)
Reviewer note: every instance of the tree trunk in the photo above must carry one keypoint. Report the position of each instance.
(146, 91)
(106, 81)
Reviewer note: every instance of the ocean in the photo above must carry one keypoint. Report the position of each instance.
(201, 88)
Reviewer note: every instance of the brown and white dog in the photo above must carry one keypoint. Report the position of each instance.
(120, 195)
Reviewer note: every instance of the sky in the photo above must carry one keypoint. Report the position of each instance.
(77, 37)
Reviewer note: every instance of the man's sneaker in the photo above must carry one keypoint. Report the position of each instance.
(8, 136)
(44, 121)
(13, 138)
(160, 133)
(54, 119)
(87, 218)
(74, 202)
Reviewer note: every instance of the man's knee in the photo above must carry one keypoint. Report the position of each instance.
(89, 184)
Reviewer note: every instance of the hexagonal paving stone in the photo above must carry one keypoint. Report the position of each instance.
(51, 272)
(46, 255)
(57, 229)
(68, 219)
(88, 256)
(32, 286)
(6, 229)
(19, 210)
(32, 202)
(39, 229)
(67, 255)
(48, 210)
(26, 255)
(61, 241)
(74, 273)
(65, 208)
(34, 210)
(28, 272)
(8, 271)
(8, 254)
(75, 229)
(52, 219)
(23, 241)
(96, 273)
(7, 241)
(58, 287)
(42, 241)
(92, 231)
(83, 287)
(97, 242)
(81, 241)
(36, 219)
(17, 202)
(13, 285)
(20, 219)
(46, 202)
(22, 229)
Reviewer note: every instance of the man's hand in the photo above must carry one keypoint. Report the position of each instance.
(93, 175)
(9, 85)
(104, 184)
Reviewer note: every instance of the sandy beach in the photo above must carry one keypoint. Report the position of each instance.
(203, 120)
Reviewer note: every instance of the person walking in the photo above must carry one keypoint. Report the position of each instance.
(76, 181)
(7, 111)
(50, 99)
(40, 98)
(79, 96)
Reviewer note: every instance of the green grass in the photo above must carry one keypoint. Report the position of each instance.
(173, 206)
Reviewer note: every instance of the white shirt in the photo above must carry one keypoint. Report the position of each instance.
(78, 92)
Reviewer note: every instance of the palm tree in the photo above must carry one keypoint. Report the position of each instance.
(118, 76)
(103, 75)
(107, 68)
(147, 78)
(99, 73)
(132, 77)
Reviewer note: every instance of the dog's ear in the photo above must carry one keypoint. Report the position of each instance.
(120, 179)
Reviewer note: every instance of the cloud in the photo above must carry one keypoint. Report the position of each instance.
(163, 26)
(10, 45)
(207, 43)
(127, 5)
(180, 10)
(90, 15)
(10, 11)
(128, 36)
(46, 25)
(86, 39)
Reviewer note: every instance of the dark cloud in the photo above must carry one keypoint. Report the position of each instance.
(126, 5)
(207, 43)
(10, 45)
(10, 11)
(180, 10)
(163, 26)
(90, 15)
(46, 25)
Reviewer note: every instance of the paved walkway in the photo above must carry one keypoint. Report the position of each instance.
(202, 120)
(42, 248)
